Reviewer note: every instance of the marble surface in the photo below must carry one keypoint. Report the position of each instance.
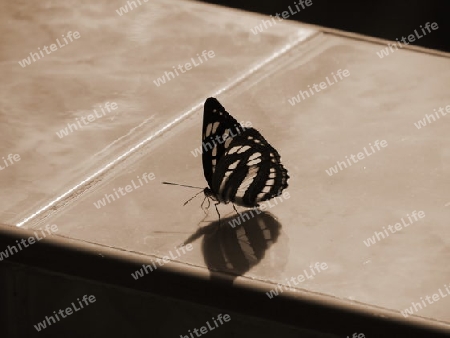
(116, 59)
(326, 219)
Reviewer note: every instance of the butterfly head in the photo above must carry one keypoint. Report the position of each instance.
(210, 194)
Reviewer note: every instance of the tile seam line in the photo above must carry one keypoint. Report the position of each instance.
(79, 187)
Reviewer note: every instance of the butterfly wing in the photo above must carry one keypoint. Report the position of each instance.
(249, 172)
(217, 123)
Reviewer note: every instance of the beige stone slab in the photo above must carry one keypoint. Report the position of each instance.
(116, 58)
(327, 218)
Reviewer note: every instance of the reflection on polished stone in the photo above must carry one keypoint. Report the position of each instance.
(238, 249)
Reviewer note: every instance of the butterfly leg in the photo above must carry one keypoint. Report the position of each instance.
(217, 210)
(201, 206)
(205, 210)
(237, 212)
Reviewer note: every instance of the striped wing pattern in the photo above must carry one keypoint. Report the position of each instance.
(240, 166)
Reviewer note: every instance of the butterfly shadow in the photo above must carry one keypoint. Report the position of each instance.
(235, 244)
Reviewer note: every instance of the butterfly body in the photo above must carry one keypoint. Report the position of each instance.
(239, 165)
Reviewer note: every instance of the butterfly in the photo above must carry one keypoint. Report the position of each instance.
(239, 165)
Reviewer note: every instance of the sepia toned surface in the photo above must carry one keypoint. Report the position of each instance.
(328, 216)
(117, 59)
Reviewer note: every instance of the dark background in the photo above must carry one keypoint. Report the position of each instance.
(383, 19)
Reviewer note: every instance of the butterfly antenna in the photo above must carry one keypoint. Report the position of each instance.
(182, 185)
(187, 186)
(192, 197)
